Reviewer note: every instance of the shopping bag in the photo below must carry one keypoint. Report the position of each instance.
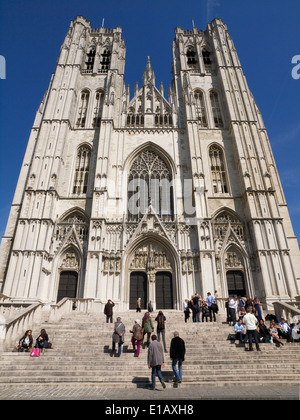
(35, 353)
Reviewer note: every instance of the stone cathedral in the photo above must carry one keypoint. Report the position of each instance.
(153, 196)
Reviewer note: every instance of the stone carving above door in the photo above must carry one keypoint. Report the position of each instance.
(150, 257)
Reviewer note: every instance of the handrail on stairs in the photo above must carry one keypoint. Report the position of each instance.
(16, 318)
(287, 310)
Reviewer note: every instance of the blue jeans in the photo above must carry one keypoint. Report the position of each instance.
(156, 370)
(119, 348)
(162, 332)
(177, 373)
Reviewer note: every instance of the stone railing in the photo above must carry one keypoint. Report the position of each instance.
(67, 305)
(287, 310)
(16, 318)
(13, 328)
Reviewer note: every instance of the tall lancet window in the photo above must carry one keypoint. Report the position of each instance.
(200, 108)
(82, 168)
(82, 109)
(97, 111)
(150, 181)
(216, 110)
(218, 172)
(90, 60)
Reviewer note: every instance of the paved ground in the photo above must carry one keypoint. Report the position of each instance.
(197, 393)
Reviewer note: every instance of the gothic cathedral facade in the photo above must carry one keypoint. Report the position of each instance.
(120, 197)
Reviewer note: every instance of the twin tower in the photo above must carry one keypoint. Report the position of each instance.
(154, 196)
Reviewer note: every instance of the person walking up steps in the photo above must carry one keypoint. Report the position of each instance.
(177, 353)
(156, 361)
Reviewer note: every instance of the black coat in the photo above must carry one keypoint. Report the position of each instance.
(177, 348)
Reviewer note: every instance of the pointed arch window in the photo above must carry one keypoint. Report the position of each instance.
(200, 108)
(105, 60)
(216, 110)
(191, 57)
(150, 181)
(207, 60)
(82, 168)
(82, 109)
(90, 60)
(97, 111)
(218, 172)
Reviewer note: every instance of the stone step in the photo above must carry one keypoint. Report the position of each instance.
(82, 343)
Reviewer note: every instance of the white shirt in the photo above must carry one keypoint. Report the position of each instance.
(250, 321)
(233, 304)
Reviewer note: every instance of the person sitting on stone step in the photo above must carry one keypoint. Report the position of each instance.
(263, 332)
(239, 330)
(274, 333)
(42, 341)
(25, 343)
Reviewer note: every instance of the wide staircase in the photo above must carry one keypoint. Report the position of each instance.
(82, 345)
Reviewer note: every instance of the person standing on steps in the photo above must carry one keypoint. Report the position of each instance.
(108, 311)
(232, 307)
(156, 361)
(186, 310)
(139, 305)
(161, 319)
(137, 337)
(118, 336)
(177, 353)
(211, 301)
(147, 326)
(251, 322)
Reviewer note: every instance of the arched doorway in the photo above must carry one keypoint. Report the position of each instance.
(138, 289)
(152, 275)
(68, 281)
(163, 290)
(236, 283)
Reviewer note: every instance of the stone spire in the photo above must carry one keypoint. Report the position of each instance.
(148, 75)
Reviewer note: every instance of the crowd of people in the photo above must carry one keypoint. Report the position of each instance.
(249, 326)
(196, 306)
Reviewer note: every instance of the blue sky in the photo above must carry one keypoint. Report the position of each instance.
(266, 34)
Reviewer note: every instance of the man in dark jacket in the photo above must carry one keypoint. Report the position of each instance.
(177, 352)
(108, 310)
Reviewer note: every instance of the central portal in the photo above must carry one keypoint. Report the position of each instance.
(151, 276)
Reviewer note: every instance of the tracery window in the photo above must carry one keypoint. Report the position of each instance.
(149, 182)
(222, 223)
(82, 170)
(200, 108)
(216, 110)
(218, 172)
(77, 220)
(82, 109)
(105, 61)
(97, 112)
(191, 57)
(206, 59)
(90, 59)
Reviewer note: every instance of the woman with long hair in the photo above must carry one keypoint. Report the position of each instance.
(25, 343)
(161, 319)
(42, 341)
